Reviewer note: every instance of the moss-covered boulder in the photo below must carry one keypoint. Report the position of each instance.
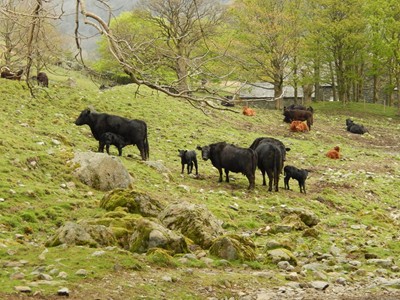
(120, 223)
(281, 254)
(134, 202)
(82, 234)
(194, 221)
(149, 234)
(233, 247)
(307, 217)
(160, 257)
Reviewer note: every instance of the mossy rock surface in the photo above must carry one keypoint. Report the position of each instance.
(150, 234)
(194, 221)
(82, 234)
(282, 254)
(233, 247)
(134, 202)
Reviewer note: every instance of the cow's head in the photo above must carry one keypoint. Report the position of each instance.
(205, 152)
(181, 153)
(83, 117)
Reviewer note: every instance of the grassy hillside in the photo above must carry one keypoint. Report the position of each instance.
(356, 198)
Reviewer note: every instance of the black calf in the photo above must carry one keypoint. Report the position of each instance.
(188, 158)
(299, 174)
(110, 138)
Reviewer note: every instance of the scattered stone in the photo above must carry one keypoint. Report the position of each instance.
(282, 254)
(63, 292)
(23, 289)
(62, 275)
(81, 272)
(319, 285)
(98, 253)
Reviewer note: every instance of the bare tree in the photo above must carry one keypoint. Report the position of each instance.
(182, 25)
(30, 39)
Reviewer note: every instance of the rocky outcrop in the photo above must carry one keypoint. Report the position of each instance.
(149, 234)
(82, 234)
(194, 221)
(135, 202)
(233, 247)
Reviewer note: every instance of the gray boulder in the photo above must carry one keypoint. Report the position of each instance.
(82, 234)
(101, 171)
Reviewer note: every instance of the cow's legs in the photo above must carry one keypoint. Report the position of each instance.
(226, 175)
(286, 180)
(263, 176)
(270, 180)
(220, 175)
(101, 147)
(140, 146)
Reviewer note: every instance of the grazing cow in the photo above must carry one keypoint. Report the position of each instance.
(7, 74)
(189, 158)
(334, 153)
(298, 107)
(270, 161)
(133, 132)
(298, 126)
(355, 128)
(299, 174)
(271, 140)
(298, 115)
(231, 158)
(110, 138)
(42, 79)
(247, 111)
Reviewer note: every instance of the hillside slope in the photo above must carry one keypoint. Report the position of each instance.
(356, 198)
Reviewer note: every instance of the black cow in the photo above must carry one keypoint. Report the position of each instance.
(299, 174)
(7, 74)
(270, 161)
(42, 79)
(298, 107)
(231, 158)
(189, 158)
(355, 128)
(133, 132)
(271, 140)
(110, 138)
(298, 115)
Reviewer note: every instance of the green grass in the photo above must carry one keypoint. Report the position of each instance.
(39, 192)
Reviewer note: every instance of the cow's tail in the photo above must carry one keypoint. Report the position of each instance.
(146, 149)
(277, 167)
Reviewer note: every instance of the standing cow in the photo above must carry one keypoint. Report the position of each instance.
(231, 158)
(134, 132)
(189, 158)
(298, 115)
(270, 161)
(271, 140)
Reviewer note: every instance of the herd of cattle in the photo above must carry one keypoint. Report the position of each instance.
(265, 153)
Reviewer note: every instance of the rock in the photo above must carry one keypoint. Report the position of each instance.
(82, 234)
(101, 171)
(148, 234)
(23, 289)
(282, 254)
(384, 263)
(307, 217)
(81, 272)
(233, 247)
(63, 292)
(194, 221)
(135, 202)
(319, 285)
(63, 275)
